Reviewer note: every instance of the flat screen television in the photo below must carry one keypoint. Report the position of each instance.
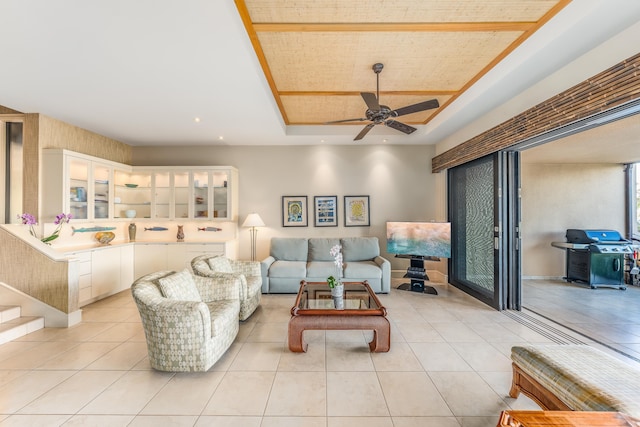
(419, 239)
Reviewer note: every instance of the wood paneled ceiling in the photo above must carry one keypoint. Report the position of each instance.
(317, 54)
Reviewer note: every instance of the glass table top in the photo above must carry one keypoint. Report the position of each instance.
(317, 296)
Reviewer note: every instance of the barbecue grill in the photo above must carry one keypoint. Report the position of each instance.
(595, 257)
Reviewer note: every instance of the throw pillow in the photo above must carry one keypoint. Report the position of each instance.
(220, 264)
(179, 286)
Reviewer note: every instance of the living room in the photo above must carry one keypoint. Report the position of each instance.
(450, 348)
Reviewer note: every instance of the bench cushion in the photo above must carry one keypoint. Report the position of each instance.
(583, 377)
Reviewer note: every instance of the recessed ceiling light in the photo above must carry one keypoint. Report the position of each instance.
(197, 120)
(322, 141)
(385, 140)
(221, 137)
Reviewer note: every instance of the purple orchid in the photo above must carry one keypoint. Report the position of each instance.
(30, 220)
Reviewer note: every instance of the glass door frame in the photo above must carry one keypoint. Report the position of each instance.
(506, 232)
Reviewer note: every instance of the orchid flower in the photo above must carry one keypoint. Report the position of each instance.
(30, 220)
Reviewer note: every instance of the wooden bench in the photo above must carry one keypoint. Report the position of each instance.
(575, 378)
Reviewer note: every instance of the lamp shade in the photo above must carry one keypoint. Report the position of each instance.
(253, 220)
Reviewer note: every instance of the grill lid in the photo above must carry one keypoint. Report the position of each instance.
(594, 236)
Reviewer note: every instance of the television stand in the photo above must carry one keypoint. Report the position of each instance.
(417, 275)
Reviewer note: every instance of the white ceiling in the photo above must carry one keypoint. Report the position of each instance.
(142, 71)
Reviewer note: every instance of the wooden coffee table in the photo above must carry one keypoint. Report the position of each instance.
(314, 309)
(564, 419)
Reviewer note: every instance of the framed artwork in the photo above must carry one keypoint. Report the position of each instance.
(326, 211)
(294, 211)
(356, 211)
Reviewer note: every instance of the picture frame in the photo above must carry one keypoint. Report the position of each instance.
(294, 211)
(356, 211)
(325, 210)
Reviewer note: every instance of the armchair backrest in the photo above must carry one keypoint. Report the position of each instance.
(145, 290)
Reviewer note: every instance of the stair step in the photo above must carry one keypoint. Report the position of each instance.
(9, 312)
(19, 327)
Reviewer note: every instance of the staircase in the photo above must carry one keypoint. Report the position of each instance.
(13, 325)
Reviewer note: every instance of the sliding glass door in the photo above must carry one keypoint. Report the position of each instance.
(484, 215)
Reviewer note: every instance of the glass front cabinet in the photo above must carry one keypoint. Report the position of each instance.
(93, 189)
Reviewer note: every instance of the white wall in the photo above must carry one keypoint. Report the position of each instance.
(556, 197)
(397, 179)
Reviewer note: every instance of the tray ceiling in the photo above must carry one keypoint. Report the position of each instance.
(317, 54)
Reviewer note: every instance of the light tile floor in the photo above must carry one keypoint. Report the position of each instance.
(448, 366)
(607, 315)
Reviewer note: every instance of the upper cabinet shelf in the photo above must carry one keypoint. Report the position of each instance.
(95, 189)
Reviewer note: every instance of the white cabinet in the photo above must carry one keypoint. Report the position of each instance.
(84, 276)
(76, 184)
(103, 271)
(94, 189)
(132, 194)
(152, 257)
(149, 257)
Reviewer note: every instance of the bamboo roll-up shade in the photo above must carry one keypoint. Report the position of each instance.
(611, 88)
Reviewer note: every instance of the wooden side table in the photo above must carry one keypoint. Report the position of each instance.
(565, 419)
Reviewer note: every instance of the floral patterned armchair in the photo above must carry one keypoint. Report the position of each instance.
(189, 321)
(247, 271)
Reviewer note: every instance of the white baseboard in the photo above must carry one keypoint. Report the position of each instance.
(53, 318)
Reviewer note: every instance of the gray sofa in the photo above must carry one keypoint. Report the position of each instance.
(293, 259)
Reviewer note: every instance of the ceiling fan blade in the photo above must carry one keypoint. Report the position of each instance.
(362, 119)
(371, 100)
(364, 131)
(421, 106)
(400, 126)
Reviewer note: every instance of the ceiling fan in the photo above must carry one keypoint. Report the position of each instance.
(381, 114)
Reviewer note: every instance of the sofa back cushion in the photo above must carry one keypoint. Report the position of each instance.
(289, 248)
(220, 264)
(359, 248)
(319, 248)
(179, 286)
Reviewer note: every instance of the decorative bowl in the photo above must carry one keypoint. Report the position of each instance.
(104, 237)
(130, 213)
(131, 185)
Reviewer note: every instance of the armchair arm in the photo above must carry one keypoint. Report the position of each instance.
(248, 268)
(385, 266)
(167, 319)
(265, 264)
(219, 286)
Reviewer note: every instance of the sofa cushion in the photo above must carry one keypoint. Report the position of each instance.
(220, 264)
(319, 249)
(321, 269)
(290, 249)
(295, 269)
(362, 270)
(360, 248)
(179, 286)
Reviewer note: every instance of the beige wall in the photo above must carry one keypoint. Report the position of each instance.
(556, 197)
(398, 180)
